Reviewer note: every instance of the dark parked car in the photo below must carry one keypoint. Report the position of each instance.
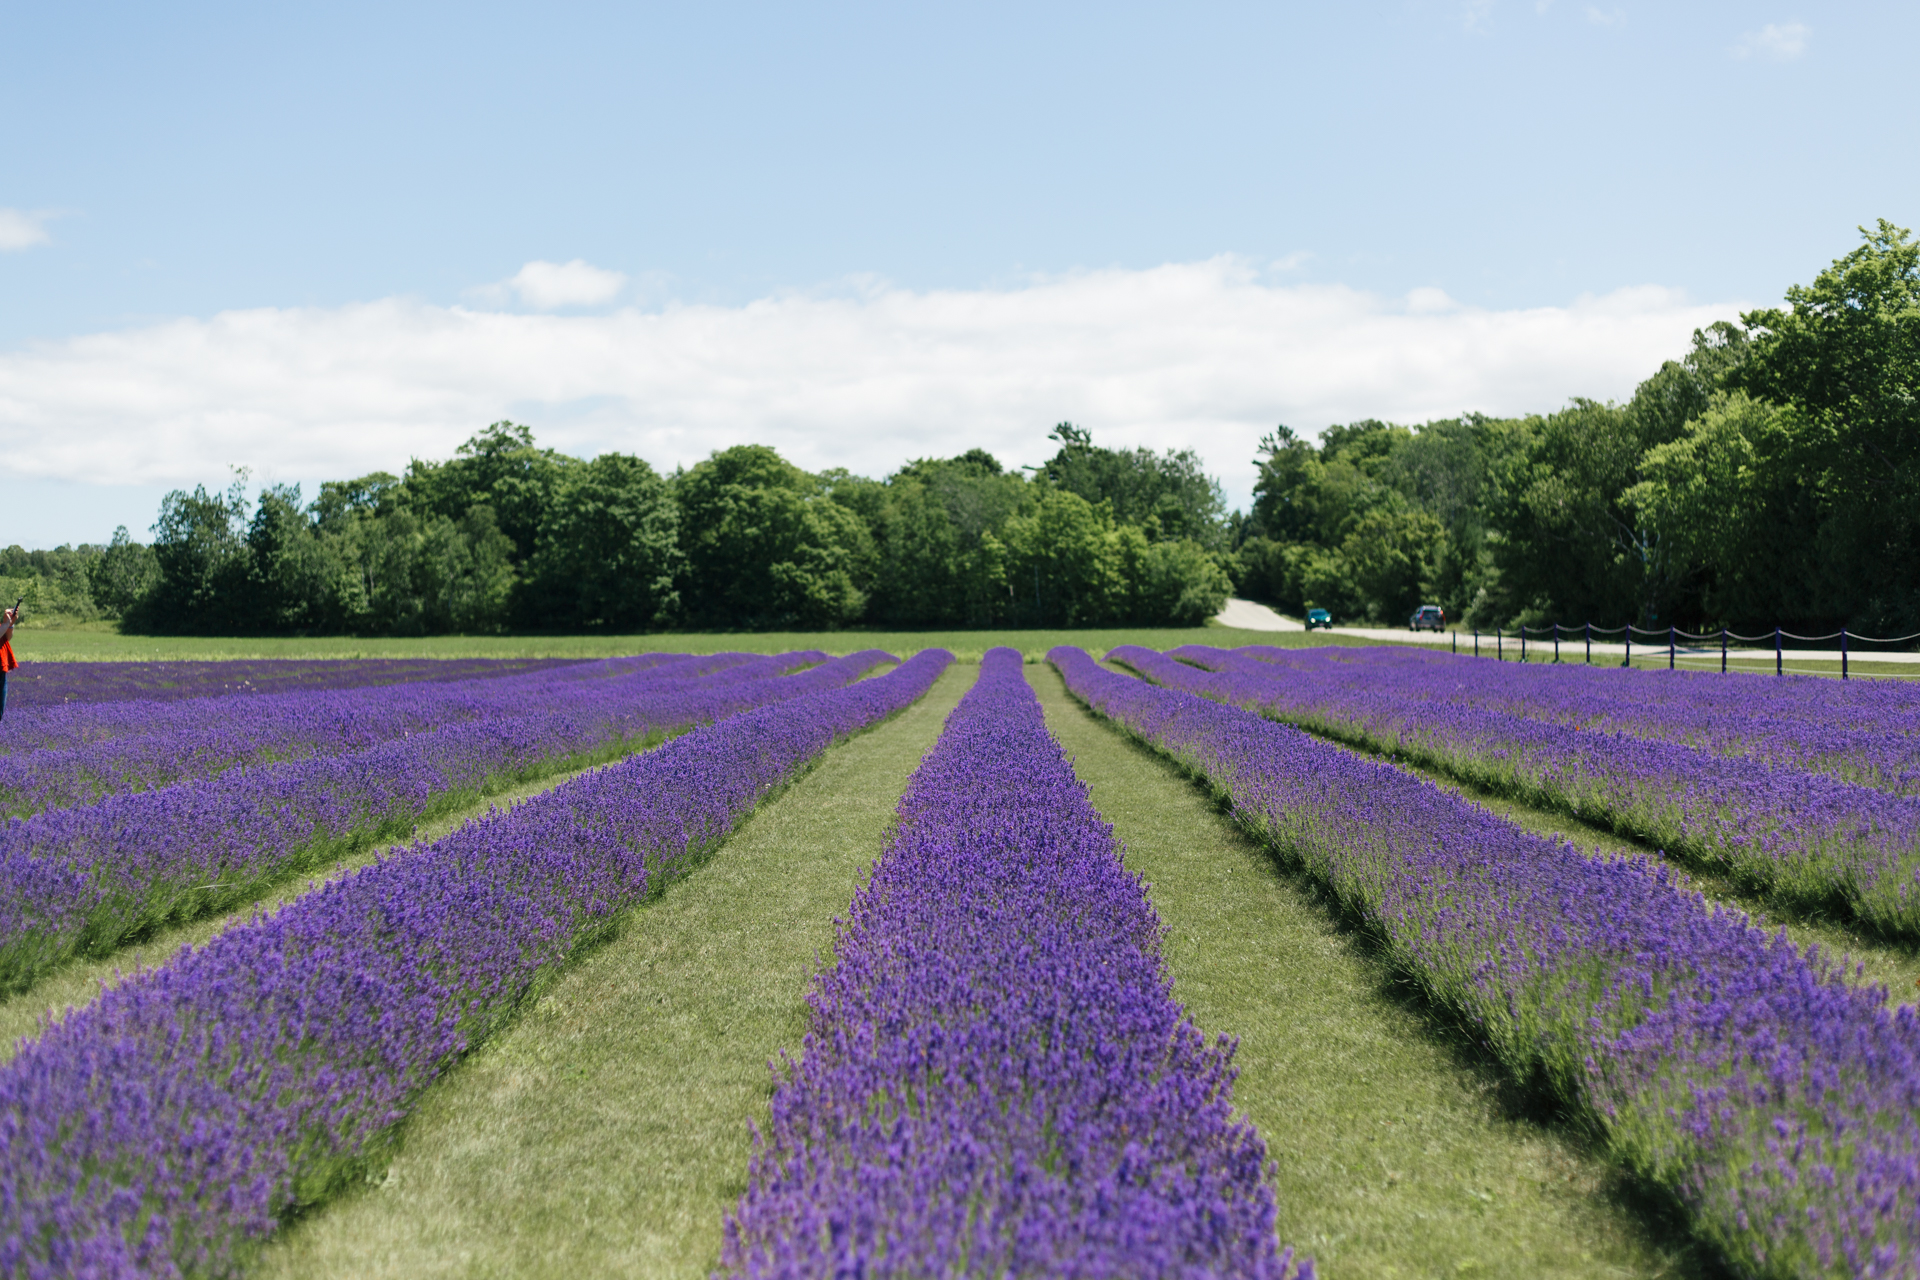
(1319, 618)
(1428, 617)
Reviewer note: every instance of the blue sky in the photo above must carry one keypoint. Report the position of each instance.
(258, 236)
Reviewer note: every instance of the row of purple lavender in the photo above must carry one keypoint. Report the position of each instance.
(1803, 838)
(997, 1080)
(43, 684)
(1777, 1100)
(74, 755)
(82, 880)
(1864, 731)
(162, 1128)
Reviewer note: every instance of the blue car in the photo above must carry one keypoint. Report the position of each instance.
(1319, 618)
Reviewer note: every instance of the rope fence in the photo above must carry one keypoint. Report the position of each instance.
(1681, 646)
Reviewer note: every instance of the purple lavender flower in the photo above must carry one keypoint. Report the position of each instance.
(1804, 837)
(997, 1080)
(1864, 731)
(160, 1128)
(1779, 1102)
(74, 754)
(40, 684)
(84, 879)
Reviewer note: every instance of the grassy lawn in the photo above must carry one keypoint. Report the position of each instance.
(605, 1131)
(101, 644)
(1397, 1149)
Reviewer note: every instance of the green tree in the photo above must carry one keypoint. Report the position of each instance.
(464, 573)
(1063, 564)
(201, 556)
(502, 468)
(765, 548)
(1569, 545)
(119, 577)
(1169, 494)
(290, 582)
(941, 560)
(608, 553)
(1389, 559)
(1843, 361)
(1722, 503)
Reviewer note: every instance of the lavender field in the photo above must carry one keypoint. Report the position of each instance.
(1135, 963)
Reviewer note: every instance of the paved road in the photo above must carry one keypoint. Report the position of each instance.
(1248, 616)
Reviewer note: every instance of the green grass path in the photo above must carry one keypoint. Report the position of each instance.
(100, 642)
(1397, 1152)
(604, 1132)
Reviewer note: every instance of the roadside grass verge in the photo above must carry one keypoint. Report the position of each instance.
(1399, 1149)
(605, 1130)
(79, 982)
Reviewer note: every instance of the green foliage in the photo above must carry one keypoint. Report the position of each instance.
(502, 468)
(120, 575)
(766, 548)
(1770, 475)
(54, 586)
(609, 552)
(1168, 495)
(1844, 464)
(1371, 524)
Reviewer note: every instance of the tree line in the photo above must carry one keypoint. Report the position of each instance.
(1770, 476)
(509, 535)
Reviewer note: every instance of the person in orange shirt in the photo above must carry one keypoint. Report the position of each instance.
(7, 661)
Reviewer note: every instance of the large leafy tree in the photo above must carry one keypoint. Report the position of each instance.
(502, 468)
(766, 547)
(941, 557)
(1168, 495)
(201, 560)
(608, 553)
(1842, 360)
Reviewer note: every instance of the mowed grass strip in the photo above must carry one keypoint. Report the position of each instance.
(101, 643)
(1397, 1149)
(79, 982)
(605, 1131)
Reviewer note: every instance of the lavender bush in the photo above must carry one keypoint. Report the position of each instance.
(1779, 1102)
(162, 1128)
(1804, 838)
(73, 755)
(84, 880)
(44, 684)
(997, 1080)
(1865, 731)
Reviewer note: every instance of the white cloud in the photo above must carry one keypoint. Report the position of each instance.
(1605, 17)
(1429, 301)
(21, 230)
(1779, 42)
(1193, 354)
(550, 285)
